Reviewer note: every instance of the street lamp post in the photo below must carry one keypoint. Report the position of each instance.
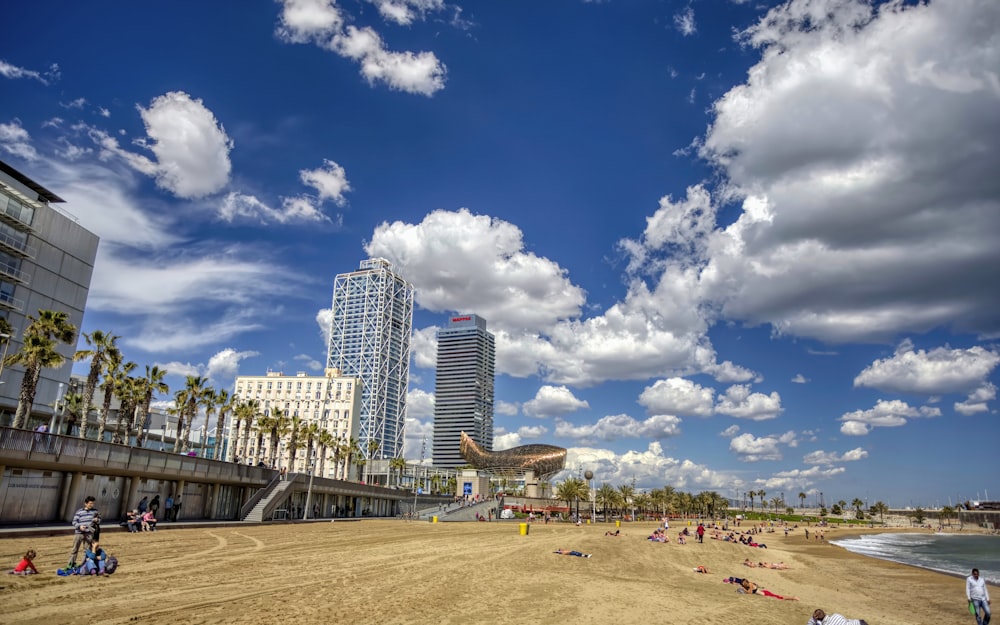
(309, 489)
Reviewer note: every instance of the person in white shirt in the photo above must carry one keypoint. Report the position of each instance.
(978, 596)
(822, 618)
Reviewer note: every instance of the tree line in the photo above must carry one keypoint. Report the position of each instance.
(113, 377)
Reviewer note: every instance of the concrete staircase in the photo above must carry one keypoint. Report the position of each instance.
(256, 514)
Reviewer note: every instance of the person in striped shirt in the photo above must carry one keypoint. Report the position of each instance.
(84, 526)
(822, 618)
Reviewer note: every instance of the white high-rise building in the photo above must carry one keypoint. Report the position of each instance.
(46, 262)
(370, 339)
(331, 401)
(463, 388)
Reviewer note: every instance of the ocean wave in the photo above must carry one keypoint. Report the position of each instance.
(945, 553)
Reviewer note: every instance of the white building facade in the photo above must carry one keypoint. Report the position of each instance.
(463, 388)
(330, 401)
(370, 340)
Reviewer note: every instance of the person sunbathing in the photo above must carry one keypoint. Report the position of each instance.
(751, 588)
(701, 569)
(614, 533)
(565, 552)
(778, 566)
(747, 562)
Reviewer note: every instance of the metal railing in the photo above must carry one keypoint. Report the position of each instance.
(43, 450)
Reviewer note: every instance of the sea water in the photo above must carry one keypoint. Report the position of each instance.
(955, 554)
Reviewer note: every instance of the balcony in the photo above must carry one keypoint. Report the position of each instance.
(14, 274)
(11, 244)
(11, 303)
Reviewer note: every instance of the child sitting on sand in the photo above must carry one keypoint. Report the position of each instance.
(26, 566)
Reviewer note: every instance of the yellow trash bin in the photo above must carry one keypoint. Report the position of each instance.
(523, 527)
(434, 519)
(618, 523)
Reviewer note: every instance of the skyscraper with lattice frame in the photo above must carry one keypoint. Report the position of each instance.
(370, 340)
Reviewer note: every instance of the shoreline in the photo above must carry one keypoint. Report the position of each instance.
(392, 571)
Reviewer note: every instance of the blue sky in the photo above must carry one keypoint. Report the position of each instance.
(723, 246)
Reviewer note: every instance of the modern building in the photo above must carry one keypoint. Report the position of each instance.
(370, 340)
(46, 262)
(330, 401)
(463, 388)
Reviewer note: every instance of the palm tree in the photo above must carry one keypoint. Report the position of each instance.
(261, 427)
(326, 441)
(127, 390)
(373, 446)
(193, 395)
(858, 505)
(751, 494)
(880, 508)
(38, 352)
(225, 403)
(104, 345)
(115, 371)
(152, 383)
(311, 432)
(762, 496)
(245, 413)
(802, 499)
(352, 450)
(843, 505)
(946, 512)
(626, 492)
(295, 426)
(278, 427)
(572, 490)
(397, 465)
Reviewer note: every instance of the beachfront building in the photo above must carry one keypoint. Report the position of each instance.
(46, 262)
(330, 402)
(463, 388)
(370, 340)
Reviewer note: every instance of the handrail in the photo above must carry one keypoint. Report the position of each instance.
(248, 507)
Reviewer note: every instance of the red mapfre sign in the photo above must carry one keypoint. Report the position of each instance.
(455, 319)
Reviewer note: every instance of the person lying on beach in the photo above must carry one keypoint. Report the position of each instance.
(701, 569)
(579, 554)
(747, 562)
(751, 588)
(778, 566)
(614, 533)
(822, 618)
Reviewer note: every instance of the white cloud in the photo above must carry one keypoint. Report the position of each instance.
(730, 431)
(552, 401)
(532, 432)
(976, 401)
(844, 144)
(15, 140)
(938, 371)
(506, 408)
(614, 427)
(330, 181)
(324, 319)
(322, 22)
(752, 449)
(310, 362)
(8, 70)
(822, 457)
(460, 261)
(423, 347)
(237, 205)
(678, 396)
(419, 404)
(649, 468)
(800, 379)
(224, 366)
(190, 145)
(684, 22)
(505, 440)
(78, 103)
(739, 402)
(405, 12)
(891, 413)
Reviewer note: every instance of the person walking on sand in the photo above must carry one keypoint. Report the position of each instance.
(701, 533)
(83, 526)
(822, 618)
(979, 597)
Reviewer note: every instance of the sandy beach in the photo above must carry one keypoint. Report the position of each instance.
(462, 573)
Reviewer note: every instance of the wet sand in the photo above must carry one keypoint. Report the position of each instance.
(462, 573)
